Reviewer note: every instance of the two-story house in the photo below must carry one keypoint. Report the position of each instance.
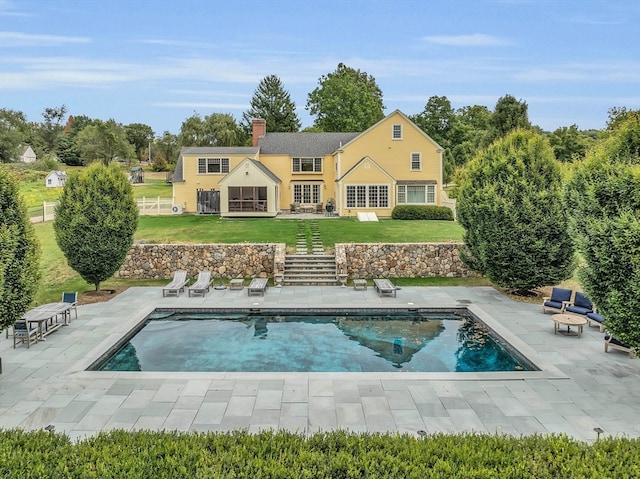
(391, 163)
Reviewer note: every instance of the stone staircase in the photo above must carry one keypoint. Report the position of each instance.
(309, 265)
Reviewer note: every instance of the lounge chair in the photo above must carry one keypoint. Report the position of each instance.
(558, 301)
(202, 284)
(611, 342)
(580, 305)
(72, 299)
(177, 284)
(595, 319)
(25, 333)
(384, 287)
(257, 286)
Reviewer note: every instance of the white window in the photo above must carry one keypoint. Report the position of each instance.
(416, 194)
(306, 165)
(306, 193)
(213, 165)
(367, 196)
(396, 132)
(416, 161)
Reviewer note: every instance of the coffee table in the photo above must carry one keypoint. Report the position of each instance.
(568, 320)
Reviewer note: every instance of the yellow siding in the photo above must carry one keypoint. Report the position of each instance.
(185, 193)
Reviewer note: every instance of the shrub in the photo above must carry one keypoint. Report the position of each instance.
(175, 455)
(420, 212)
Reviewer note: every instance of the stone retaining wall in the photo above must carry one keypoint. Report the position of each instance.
(156, 261)
(402, 260)
(357, 260)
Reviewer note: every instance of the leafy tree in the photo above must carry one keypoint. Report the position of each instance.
(272, 103)
(167, 147)
(19, 253)
(96, 218)
(509, 114)
(437, 120)
(67, 151)
(139, 135)
(51, 129)
(104, 141)
(603, 199)
(346, 100)
(217, 129)
(469, 135)
(510, 206)
(13, 133)
(569, 143)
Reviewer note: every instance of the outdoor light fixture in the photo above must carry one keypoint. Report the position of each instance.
(598, 431)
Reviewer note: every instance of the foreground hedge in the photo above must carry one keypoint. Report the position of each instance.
(147, 454)
(418, 212)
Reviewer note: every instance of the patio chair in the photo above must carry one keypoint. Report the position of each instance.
(319, 209)
(24, 332)
(558, 301)
(202, 284)
(595, 319)
(580, 305)
(611, 342)
(72, 299)
(177, 284)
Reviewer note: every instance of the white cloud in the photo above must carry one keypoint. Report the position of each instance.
(9, 9)
(617, 72)
(474, 40)
(19, 39)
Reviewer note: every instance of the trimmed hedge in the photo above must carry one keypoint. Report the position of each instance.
(418, 212)
(151, 454)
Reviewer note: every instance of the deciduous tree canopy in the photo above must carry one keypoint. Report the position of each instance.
(346, 100)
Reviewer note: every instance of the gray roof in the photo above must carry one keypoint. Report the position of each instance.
(304, 144)
(219, 150)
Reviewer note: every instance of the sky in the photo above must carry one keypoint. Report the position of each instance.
(159, 62)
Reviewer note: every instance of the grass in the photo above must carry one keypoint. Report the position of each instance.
(57, 276)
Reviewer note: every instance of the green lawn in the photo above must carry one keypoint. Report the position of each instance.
(57, 276)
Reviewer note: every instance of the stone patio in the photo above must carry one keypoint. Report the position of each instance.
(578, 389)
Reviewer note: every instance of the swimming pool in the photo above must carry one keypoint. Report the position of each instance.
(331, 340)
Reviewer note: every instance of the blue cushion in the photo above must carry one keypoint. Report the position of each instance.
(582, 301)
(595, 316)
(558, 295)
(612, 340)
(553, 304)
(577, 310)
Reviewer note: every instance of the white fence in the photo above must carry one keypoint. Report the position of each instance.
(146, 207)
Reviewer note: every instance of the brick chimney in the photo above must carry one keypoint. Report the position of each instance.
(258, 129)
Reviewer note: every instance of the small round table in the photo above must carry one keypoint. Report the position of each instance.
(568, 320)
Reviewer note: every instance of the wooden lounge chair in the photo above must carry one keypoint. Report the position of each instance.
(177, 284)
(559, 299)
(611, 342)
(258, 286)
(384, 287)
(202, 284)
(24, 332)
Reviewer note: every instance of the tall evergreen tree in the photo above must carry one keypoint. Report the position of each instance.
(346, 100)
(272, 103)
(19, 253)
(96, 218)
(603, 201)
(510, 207)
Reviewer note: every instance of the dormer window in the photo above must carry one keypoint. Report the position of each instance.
(396, 132)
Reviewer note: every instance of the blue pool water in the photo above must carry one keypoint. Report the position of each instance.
(327, 341)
